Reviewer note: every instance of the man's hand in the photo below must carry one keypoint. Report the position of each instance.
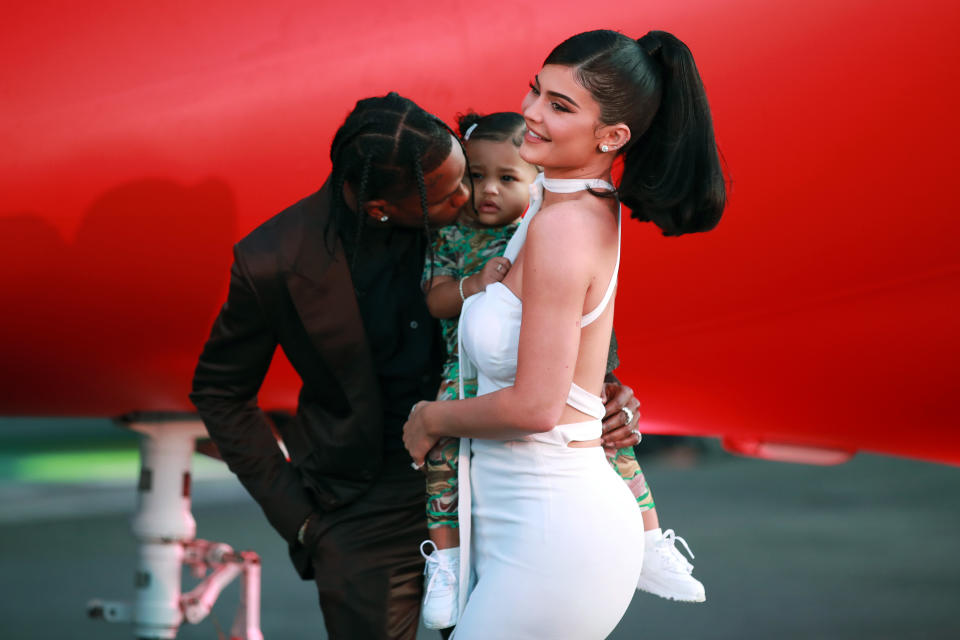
(619, 428)
(415, 438)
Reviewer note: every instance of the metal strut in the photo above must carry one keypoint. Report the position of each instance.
(166, 532)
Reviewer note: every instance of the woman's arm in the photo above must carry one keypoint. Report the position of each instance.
(558, 265)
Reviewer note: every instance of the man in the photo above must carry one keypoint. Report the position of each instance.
(335, 281)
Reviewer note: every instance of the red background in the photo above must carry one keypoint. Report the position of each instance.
(140, 141)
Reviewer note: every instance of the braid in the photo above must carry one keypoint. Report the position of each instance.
(335, 219)
(361, 197)
(385, 145)
(421, 183)
(422, 188)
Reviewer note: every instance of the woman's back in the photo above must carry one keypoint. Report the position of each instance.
(565, 267)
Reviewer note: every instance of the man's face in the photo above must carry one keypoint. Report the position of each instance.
(446, 194)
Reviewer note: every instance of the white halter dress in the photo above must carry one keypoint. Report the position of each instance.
(542, 525)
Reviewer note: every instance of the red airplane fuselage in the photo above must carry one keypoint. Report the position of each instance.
(141, 141)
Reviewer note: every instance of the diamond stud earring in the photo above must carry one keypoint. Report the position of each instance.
(604, 148)
(384, 218)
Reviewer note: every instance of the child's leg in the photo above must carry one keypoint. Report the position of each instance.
(650, 519)
(441, 471)
(666, 572)
(624, 462)
(439, 610)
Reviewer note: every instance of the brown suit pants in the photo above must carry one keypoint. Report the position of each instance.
(366, 558)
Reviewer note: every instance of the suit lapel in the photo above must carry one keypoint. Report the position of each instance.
(322, 292)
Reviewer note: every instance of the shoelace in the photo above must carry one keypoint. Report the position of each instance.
(667, 544)
(439, 568)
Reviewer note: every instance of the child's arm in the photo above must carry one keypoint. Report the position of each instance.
(443, 292)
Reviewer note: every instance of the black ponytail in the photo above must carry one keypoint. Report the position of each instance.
(672, 174)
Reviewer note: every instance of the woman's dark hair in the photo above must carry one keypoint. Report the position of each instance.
(672, 174)
(496, 127)
(385, 147)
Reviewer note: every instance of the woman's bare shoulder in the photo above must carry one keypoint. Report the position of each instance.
(578, 225)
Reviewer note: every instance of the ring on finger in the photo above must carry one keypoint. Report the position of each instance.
(637, 433)
(628, 413)
(499, 267)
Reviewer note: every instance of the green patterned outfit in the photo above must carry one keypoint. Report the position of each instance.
(460, 250)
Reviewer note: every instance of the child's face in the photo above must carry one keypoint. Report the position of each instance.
(501, 181)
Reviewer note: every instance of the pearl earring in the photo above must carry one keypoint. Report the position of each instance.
(384, 218)
(604, 148)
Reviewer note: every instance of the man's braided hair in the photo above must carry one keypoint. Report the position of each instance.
(385, 147)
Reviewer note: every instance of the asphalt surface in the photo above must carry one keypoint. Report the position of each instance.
(868, 549)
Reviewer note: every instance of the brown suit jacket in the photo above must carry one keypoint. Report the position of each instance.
(287, 289)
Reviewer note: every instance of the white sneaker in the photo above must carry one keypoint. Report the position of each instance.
(441, 585)
(666, 573)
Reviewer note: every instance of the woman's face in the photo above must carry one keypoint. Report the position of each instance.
(563, 122)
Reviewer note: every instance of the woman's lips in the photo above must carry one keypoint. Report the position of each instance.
(531, 136)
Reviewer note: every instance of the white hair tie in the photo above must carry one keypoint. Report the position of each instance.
(466, 134)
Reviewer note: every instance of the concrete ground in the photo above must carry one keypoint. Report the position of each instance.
(868, 549)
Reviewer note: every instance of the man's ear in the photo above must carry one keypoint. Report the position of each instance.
(376, 209)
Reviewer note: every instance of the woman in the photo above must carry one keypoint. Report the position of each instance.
(549, 516)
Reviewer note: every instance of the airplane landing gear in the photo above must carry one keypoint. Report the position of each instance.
(166, 532)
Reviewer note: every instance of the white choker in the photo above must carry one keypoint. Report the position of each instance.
(555, 185)
(572, 185)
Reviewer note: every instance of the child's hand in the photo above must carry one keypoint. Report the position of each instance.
(494, 271)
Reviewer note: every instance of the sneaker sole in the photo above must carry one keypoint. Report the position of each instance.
(666, 596)
(432, 628)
